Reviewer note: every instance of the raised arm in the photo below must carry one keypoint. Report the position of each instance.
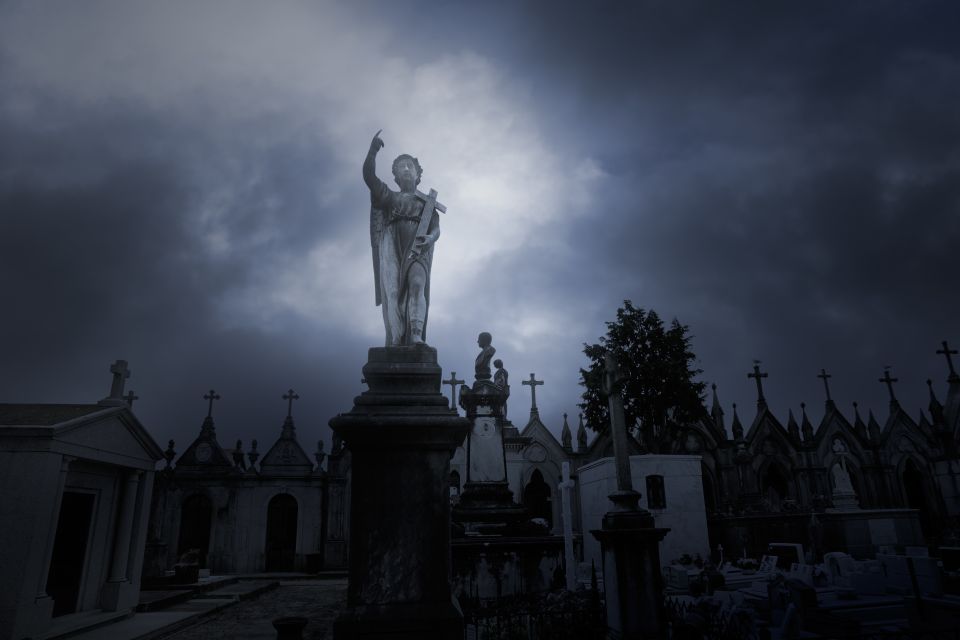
(374, 183)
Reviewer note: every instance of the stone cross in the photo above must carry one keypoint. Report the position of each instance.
(889, 382)
(130, 398)
(625, 498)
(213, 395)
(570, 560)
(826, 386)
(533, 383)
(453, 382)
(290, 396)
(120, 375)
(756, 374)
(947, 352)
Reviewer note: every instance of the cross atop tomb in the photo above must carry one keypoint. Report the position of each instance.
(453, 382)
(533, 383)
(290, 396)
(889, 382)
(761, 401)
(213, 395)
(120, 375)
(130, 397)
(826, 386)
(947, 352)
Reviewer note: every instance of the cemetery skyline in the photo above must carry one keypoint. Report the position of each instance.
(181, 188)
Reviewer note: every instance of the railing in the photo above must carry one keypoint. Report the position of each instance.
(552, 616)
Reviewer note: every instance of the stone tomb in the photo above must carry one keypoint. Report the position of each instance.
(677, 503)
(76, 487)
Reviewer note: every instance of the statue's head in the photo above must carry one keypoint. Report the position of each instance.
(498, 363)
(484, 340)
(406, 168)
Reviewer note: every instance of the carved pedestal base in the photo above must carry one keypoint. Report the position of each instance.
(845, 501)
(631, 574)
(401, 434)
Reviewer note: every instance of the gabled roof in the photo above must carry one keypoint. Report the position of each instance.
(205, 455)
(286, 457)
(105, 432)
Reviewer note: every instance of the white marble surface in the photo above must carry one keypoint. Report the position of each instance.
(684, 514)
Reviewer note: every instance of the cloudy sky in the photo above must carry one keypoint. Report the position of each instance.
(180, 187)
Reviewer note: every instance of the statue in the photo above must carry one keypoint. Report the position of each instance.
(482, 365)
(501, 378)
(404, 226)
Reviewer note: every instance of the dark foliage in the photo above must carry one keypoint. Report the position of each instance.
(657, 363)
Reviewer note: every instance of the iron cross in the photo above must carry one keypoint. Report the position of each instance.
(453, 382)
(947, 352)
(756, 374)
(213, 395)
(533, 383)
(130, 398)
(889, 382)
(290, 396)
(826, 386)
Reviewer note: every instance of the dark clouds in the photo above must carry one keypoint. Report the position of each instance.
(783, 179)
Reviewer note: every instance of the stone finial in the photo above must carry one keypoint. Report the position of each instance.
(858, 425)
(319, 455)
(253, 455)
(581, 437)
(120, 374)
(716, 411)
(736, 427)
(805, 426)
(792, 427)
(169, 454)
(238, 460)
(935, 408)
(566, 438)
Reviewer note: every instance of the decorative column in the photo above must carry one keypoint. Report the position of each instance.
(401, 433)
(629, 541)
(114, 590)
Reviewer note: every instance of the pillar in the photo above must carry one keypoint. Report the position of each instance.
(401, 433)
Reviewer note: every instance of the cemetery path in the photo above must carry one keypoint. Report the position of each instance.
(320, 601)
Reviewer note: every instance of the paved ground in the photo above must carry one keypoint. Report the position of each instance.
(320, 601)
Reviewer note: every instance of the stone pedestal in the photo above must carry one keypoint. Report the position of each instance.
(631, 574)
(486, 504)
(401, 434)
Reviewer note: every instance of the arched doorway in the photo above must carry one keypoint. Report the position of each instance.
(536, 498)
(196, 515)
(915, 495)
(281, 548)
(709, 497)
(774, 487)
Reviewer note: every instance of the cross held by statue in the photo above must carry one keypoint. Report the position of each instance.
(290, 396)
(533, 383)
(453, 382)
(213, 395)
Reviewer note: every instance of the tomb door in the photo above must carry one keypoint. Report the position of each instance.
(195, 520)
(69, 551)
(281, 533)
(536, 498)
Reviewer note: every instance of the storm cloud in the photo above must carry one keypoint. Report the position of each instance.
(180, 187)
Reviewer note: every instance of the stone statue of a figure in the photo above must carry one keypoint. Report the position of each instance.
(482, 365)
(402, 246)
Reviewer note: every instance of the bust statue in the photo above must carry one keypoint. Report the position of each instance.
(482, 365)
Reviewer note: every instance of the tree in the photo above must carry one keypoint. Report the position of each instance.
(659, 387)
